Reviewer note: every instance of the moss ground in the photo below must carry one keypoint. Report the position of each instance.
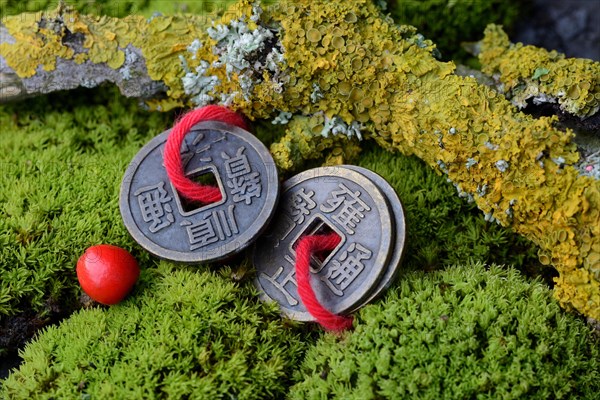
(184, 334)
(200, 331)
(64, 157)
(465, 332)
(122, 8)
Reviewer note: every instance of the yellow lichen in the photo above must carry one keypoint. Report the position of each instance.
(38, 39)
(528, 71)
(44, 37)
(303, 141)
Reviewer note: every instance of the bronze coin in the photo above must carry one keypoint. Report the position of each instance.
(168, 226)
(399, 229)
(326, 199)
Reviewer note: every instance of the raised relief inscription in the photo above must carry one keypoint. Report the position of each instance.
(349, 206)
(302, 204)
(289, 278)
(345, 269)
(154, 206)
(214, 226)
(243, 182)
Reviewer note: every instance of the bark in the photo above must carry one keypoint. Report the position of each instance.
(69, 75)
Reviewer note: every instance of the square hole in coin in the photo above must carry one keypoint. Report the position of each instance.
(204, 177)
(318, 226)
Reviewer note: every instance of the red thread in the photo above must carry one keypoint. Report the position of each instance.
(306, 246)
(208, 194)
(172, 157)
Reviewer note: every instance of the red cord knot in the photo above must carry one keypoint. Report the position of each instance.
(305, 248)
(187, 188)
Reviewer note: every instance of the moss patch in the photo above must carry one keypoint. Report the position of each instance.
(185, 334)
(466, 332)
(123, 8)
(65, 156)
(63, 161)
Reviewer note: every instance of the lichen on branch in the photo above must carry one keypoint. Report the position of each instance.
(529, 72)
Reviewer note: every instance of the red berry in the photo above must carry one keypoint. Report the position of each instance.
(107, 273)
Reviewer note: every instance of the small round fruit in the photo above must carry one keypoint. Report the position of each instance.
(107, 273)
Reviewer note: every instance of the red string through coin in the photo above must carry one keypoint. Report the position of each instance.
(189, 189)
(307, 246)
(206, 194)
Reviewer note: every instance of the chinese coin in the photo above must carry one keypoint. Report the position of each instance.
(170, 227)
(399, 232)
(327, 199)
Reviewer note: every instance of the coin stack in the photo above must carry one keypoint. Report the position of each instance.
(363, 210)
(355, 204)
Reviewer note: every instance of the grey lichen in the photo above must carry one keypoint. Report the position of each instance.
(194, 47)
(283, 118)
(470, 162)
(481, 190)
(489, 217)
(316, 94)
(502, 165)
(443, 167)
(236, 43)
(560, 161)
(337, 126)
(241, 51)
(491, 146)
(130, 58)
(198, 85)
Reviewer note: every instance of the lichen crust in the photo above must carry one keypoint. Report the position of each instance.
(529, 72)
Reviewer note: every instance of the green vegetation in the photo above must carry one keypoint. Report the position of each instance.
(184, 334)
(122, 8)
(462, 333)
(63, 160)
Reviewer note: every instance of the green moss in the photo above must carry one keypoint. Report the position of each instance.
(467, 332)
(121, 8)
(65, 155)
(183, 334)
(62, 165)
(448, 23)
